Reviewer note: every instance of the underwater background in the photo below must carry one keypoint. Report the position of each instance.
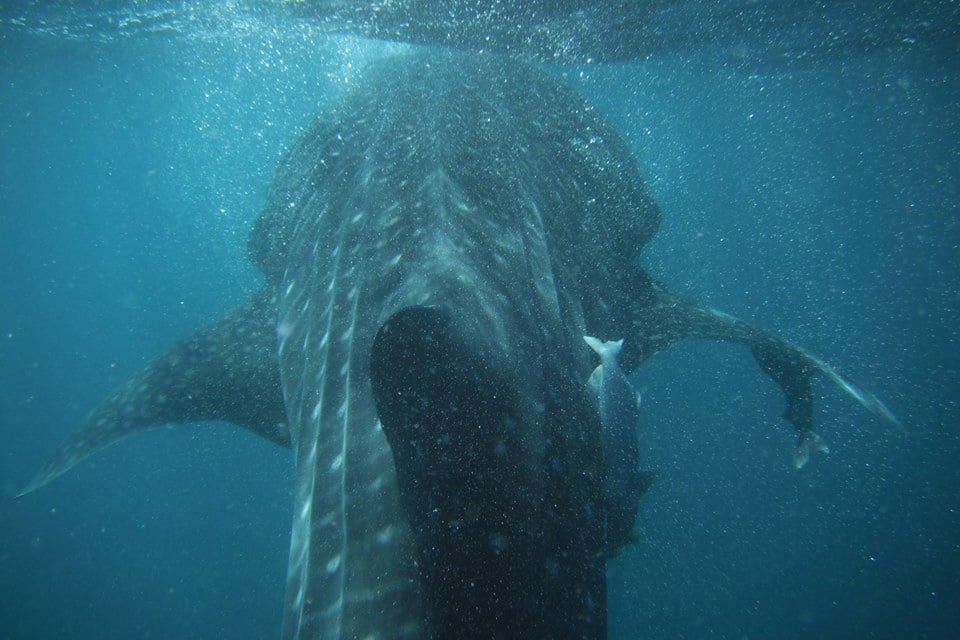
(820, 201)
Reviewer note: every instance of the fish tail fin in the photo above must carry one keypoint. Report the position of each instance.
(604, 349)
(644, 480)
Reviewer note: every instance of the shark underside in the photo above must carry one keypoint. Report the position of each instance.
(435, 247)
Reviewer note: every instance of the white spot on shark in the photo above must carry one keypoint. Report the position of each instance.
(284, 329)
(333, 564)
(385, 535)
(376, 484)
(333, 609)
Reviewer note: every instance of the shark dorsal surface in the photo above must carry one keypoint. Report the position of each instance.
(435, 246)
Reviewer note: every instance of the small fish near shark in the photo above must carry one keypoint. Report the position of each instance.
(435, 247)
(619, 407)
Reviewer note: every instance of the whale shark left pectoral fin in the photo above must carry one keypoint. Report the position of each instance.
(225, 371)
(661, 317)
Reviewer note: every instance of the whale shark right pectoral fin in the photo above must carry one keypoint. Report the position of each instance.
(226, 371)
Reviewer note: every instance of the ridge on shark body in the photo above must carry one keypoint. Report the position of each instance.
(435, 247)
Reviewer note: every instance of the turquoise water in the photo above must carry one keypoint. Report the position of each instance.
(136, 147)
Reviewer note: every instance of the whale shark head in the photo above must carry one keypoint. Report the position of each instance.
(430, 240)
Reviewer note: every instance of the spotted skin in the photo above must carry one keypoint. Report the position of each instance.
(226, 371)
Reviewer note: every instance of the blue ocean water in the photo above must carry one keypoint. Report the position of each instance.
(820, 202)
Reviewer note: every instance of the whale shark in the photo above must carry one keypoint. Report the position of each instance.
(434, 248)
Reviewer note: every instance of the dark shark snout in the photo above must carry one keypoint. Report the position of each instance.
(435, 395)
(459, 456)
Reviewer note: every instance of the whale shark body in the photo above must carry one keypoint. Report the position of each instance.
(434, 247)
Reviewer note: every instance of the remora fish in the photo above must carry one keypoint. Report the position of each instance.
(435, 246)
(619, 406)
